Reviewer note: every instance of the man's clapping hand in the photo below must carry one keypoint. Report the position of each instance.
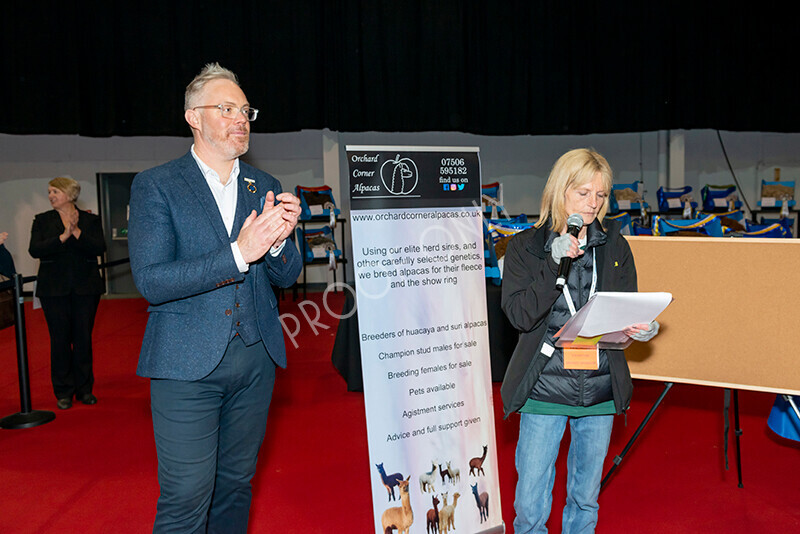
(260, 232)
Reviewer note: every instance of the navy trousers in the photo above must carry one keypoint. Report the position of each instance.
(208, 433)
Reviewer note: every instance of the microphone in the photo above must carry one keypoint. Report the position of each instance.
(574, 225)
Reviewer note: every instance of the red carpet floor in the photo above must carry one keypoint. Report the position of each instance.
(93, 469)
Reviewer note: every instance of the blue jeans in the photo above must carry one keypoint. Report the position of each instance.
(537, 449)
(208, 433)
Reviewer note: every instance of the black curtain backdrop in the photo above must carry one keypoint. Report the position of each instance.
(487, 67)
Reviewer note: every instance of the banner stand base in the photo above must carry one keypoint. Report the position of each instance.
(499, 529)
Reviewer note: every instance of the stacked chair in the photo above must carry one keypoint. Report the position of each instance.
(316, 243)
(676, 201)
(492, 200)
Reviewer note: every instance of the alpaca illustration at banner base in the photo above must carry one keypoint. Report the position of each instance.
(426, 480)
(390, 481)
(399, 518)
(432, 526)
(447, 514)
(477, 463)
(482, 501)
(455, 473)
(444, 473)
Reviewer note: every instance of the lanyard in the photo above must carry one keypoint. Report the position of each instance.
(593, 289)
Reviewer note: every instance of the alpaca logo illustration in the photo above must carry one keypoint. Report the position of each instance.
(399, 518)
(399, 175)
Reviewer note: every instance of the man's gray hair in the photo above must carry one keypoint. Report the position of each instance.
(212, 71)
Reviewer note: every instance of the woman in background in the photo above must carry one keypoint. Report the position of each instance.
(540, 383)
(6, 261)
(67, 241)
(7, 313)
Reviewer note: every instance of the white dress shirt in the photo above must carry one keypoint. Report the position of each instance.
(226, 197)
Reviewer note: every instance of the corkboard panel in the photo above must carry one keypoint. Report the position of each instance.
(735, 319)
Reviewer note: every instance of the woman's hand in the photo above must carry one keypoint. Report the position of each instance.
(73, 223)
(565, 245)
(642, 332)
(70, 226)
(67, 232)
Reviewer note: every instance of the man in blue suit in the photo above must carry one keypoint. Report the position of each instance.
(208, 238)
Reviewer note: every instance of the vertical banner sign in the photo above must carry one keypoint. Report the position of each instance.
(420, 290)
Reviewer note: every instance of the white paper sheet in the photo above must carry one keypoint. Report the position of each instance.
(611, 311)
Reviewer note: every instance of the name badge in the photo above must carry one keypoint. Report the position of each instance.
(583, 354)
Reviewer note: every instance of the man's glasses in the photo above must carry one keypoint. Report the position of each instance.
(230, 111)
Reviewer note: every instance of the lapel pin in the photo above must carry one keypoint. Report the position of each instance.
(251, 185)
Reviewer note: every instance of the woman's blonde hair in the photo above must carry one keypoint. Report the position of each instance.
(68, 186)
(573, 169)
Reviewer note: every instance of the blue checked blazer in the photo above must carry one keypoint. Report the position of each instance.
(182, 264)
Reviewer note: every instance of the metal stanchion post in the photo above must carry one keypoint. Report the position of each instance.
(26, 417)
